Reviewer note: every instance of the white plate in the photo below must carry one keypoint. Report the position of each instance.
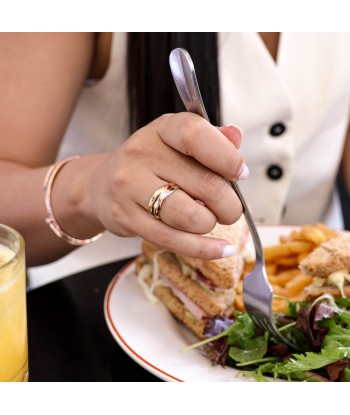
(154, 339)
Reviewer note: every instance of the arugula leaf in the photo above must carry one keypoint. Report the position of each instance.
(273, 369)
(258, 374)
(337, 335)
(312, 361)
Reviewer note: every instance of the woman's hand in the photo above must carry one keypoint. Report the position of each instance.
(42, 76)
(183, 149)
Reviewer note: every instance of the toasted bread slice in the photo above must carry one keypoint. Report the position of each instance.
(331, 256)
(320, 263)
(224, 272)
(176, 307)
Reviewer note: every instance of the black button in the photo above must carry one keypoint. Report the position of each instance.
(277, 129)
(274, 172)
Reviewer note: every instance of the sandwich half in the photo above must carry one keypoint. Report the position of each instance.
(195, 290)
(329, 265)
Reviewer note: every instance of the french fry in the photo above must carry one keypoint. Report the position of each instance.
(293, 236)
(282, 264)
(271, 268)
(313, 234)
(238, 302)
(279, 305)
(282, 278)
(330, 233)
(291, 261)
(239, 288)
(247, 268)
(272, 253)
(296, 298)
(302, 256)
(278, 290)
(298, 283)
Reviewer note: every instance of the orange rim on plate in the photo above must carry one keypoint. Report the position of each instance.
(116, 332)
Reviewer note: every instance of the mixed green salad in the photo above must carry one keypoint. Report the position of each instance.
(321, 331)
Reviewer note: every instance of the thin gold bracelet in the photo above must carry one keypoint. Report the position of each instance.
(50, 219)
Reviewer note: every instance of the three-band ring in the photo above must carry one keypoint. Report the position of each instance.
(158, 198)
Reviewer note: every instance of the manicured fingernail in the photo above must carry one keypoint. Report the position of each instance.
(233, 133)
(243, 172)
(228, 250)
(238, 134)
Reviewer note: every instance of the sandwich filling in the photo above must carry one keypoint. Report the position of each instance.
(338, 279)
(150, 277)
(223, 297)
(193, 310)
(329, 265)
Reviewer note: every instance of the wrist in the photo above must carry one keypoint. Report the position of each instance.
(74, 221)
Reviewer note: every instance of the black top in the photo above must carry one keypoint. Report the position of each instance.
(68, 336)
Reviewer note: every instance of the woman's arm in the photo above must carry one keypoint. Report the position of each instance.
(41, 79)
(41, 76)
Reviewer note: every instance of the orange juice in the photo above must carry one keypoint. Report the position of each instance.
(13, 317)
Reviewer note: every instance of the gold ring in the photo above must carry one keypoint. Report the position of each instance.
(158, 198)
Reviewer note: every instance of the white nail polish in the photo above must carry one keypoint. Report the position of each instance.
(228, 250)
(243, 172)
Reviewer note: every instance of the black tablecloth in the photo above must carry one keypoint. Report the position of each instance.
(68, 336)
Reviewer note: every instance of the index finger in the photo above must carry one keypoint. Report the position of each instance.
(192, 135)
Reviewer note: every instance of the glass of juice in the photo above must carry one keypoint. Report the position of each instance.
(13, 311)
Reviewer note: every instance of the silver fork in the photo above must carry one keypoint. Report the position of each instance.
(257, 291)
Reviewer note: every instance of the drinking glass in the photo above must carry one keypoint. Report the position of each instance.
(13, 311)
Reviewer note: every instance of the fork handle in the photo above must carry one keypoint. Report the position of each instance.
(251, 225)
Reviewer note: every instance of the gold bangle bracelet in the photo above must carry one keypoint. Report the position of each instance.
(50, 219)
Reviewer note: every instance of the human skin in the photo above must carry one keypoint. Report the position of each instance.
(42, 77)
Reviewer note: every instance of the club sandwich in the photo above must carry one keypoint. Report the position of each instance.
(194, 290)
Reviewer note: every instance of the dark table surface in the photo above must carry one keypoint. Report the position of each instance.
(68, 336)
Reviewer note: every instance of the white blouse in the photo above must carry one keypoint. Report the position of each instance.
(294, 113)
(308, 91)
